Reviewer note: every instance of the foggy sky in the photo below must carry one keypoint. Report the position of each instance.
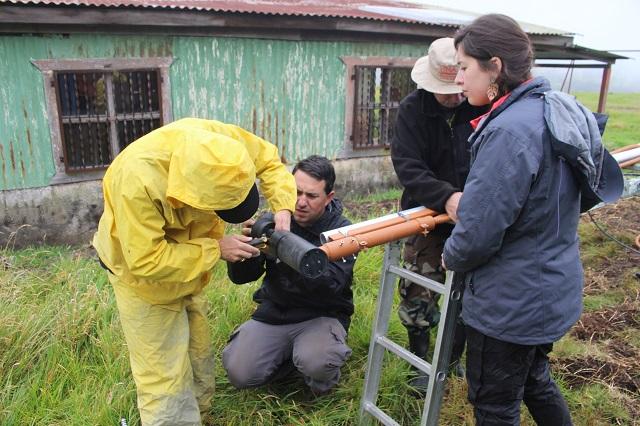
(604, 25)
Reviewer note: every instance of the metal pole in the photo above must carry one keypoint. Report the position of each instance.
(604, 88)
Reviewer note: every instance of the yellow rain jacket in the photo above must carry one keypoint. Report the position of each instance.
(158, 233)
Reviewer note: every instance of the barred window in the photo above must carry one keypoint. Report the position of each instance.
(98, 107)
(101, 113)
(375, 87)
(379, 91)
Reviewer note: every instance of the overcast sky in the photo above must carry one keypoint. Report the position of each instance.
(604, 25)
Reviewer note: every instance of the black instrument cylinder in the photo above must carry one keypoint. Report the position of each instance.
(291, 249)
(298, 253)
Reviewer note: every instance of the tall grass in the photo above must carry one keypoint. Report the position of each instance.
(62, 357)
(63, 360)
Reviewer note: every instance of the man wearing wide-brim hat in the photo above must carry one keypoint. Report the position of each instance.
(431, 158)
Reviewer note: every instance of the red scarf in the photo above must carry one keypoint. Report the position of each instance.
(496, 104)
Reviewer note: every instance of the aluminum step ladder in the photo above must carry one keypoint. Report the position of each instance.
(437, 369)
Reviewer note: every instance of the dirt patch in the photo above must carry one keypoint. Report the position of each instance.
(85, 251)
(621, 349)
(5, 263)
(622, 217)
(622, 373)
(620, 367)
(620, 220)
(603, 324)
(607, 275)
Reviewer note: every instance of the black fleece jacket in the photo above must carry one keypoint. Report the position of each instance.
(430, 152)
(286, 297)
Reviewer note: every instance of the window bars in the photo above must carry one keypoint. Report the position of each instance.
(378, 93)
(103, 112)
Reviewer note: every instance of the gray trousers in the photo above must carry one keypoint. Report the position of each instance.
(257, 352)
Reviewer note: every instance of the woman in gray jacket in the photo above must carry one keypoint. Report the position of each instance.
(516, 236)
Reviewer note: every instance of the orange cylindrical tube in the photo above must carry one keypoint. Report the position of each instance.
(383, 224)
(630, 163)
(352, 244)
(626, 148)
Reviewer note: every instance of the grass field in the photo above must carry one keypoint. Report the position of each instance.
(63, 360)
(623, 127)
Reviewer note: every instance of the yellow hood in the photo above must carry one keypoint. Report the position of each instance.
(209, 171)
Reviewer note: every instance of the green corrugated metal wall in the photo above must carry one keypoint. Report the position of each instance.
(289, 92)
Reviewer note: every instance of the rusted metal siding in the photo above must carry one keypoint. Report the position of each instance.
(289, 92)
(25, 151)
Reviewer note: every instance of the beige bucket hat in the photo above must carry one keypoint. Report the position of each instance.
(437, 71)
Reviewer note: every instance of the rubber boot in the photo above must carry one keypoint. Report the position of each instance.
(419, 346)
(456, 368)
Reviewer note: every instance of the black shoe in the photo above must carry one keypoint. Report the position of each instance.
(319, 394)
(419, 341)
(419, 383)
(456, 369)
(419, 345)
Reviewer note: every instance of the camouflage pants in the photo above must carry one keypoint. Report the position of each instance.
(418, 306)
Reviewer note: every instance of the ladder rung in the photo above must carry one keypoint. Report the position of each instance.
(390, 345)
(419, 279)
(379, 414)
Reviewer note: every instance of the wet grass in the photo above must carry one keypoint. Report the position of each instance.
(63, 359)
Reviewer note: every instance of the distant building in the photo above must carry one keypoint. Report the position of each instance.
(81, 79)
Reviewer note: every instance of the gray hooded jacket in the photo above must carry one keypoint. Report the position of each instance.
(575, 136)
(516, 237)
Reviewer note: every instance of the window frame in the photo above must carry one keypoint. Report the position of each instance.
(49, 68)
(351, 62)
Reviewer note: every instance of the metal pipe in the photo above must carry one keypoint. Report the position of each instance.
(604, 88)
(352, 244)
(625, 148)
(346, 241)
(630, 162)
(623, 156)
(374, 224)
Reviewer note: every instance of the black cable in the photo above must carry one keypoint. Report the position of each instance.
(611, 237)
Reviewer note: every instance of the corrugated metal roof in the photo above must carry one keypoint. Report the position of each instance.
(379, 10)
(449, 17)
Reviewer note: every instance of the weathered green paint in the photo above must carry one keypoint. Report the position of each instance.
(289, 92)
(25, 149)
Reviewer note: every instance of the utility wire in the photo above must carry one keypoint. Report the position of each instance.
(611, 237)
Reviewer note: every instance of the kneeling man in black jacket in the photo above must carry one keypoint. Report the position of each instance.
(299, 323)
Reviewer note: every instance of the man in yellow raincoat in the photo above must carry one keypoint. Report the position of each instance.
(166, 198)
